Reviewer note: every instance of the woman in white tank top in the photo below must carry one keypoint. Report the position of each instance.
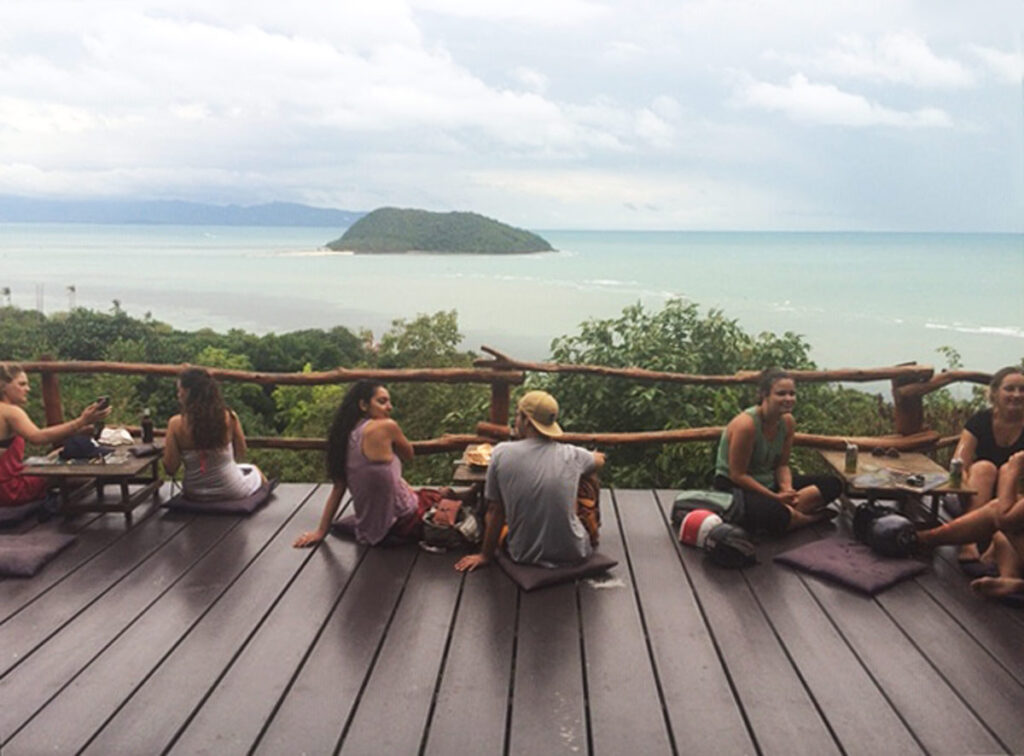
(208, 439)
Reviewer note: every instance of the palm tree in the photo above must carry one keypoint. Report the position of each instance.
(7, 295)
(71, 298)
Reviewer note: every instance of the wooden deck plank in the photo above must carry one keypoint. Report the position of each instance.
(42, 675)
(618, 665)
(778, 705)
(983, 684)
(702, 709)
(193, 643)
(547, 700)
(262, 673)
(412, 654)
(29, 628)
(94, 534)
(191, 670)
(68, 721)
(987, 621)
(471, 710)
(829, 668)
(938, 718)
(312, 716)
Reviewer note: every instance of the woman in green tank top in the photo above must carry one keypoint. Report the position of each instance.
(753, 458)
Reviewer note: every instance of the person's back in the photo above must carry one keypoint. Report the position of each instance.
(536, 480)
(380, 497)
(533, 484)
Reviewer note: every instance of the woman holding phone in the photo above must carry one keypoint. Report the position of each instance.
(17, 428)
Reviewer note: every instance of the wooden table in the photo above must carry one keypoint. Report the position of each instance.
(118, 468)
(908, 463)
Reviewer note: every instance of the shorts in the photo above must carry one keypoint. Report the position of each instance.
(410, 527)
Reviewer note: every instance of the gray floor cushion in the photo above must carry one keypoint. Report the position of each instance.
(228, 506)
(25, 554)
(12, 515)
(530, 577)
(851, 564)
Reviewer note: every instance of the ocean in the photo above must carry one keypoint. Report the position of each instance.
(859, 299)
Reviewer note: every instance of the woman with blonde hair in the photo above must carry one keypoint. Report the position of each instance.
(16, 427)
(208, 439)
(988, 440)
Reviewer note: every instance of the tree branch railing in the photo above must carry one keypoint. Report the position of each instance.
(910, 383)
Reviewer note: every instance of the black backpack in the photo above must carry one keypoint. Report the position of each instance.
(729, 545)
(886, 532)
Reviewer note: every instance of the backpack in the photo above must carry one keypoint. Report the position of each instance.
(886, 532)
(893, 535)
(449, 525)
(729, 546)
(719, 502)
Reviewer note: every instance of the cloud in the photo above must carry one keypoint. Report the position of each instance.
(897, 58)
(826, 104)
(531, 79)
(1007, 66)
(540, 12)
(901, 58)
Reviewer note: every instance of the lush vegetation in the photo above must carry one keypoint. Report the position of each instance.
(677, 338)
(392, 229)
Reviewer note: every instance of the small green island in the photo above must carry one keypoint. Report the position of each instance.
(401, 230)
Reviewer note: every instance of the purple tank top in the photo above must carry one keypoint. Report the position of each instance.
(379, 495)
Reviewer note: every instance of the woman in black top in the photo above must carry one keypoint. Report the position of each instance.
(988, 440)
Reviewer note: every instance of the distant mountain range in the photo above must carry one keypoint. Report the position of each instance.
(26, 210)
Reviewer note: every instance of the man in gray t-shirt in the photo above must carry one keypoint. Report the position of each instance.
(531, 486)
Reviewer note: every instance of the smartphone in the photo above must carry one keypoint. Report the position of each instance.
(102, 403)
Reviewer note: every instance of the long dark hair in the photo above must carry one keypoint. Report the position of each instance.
(345, 419)
(769, 378)
(204, 409)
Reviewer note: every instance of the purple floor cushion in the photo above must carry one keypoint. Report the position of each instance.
(12, 515)
(243, 506)
(851, 564)
(529, 577)
(24, 555)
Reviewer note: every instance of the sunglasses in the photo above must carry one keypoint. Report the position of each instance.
(892, 452)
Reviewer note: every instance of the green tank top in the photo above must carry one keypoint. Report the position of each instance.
(764, 457)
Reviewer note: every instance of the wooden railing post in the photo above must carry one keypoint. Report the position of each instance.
(53, 409)
(908, 411)
(499, 403)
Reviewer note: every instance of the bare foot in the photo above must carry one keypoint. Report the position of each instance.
(968, 553)
(997, 587)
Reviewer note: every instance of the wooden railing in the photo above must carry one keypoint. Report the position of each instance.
(910, 383)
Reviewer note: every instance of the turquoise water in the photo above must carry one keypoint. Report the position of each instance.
(860, 299)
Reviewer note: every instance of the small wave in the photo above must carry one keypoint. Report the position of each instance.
(311, 253)
(610, 282)
(1012, 331)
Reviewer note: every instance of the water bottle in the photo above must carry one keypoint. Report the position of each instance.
(147, 427)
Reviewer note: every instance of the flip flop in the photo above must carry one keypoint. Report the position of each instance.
(1015, 600)
(975, 568)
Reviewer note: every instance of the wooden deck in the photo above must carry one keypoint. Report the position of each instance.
(212, 635)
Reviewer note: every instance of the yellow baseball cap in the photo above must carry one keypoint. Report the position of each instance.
(541, 410)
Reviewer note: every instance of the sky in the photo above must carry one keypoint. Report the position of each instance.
(900, 115)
